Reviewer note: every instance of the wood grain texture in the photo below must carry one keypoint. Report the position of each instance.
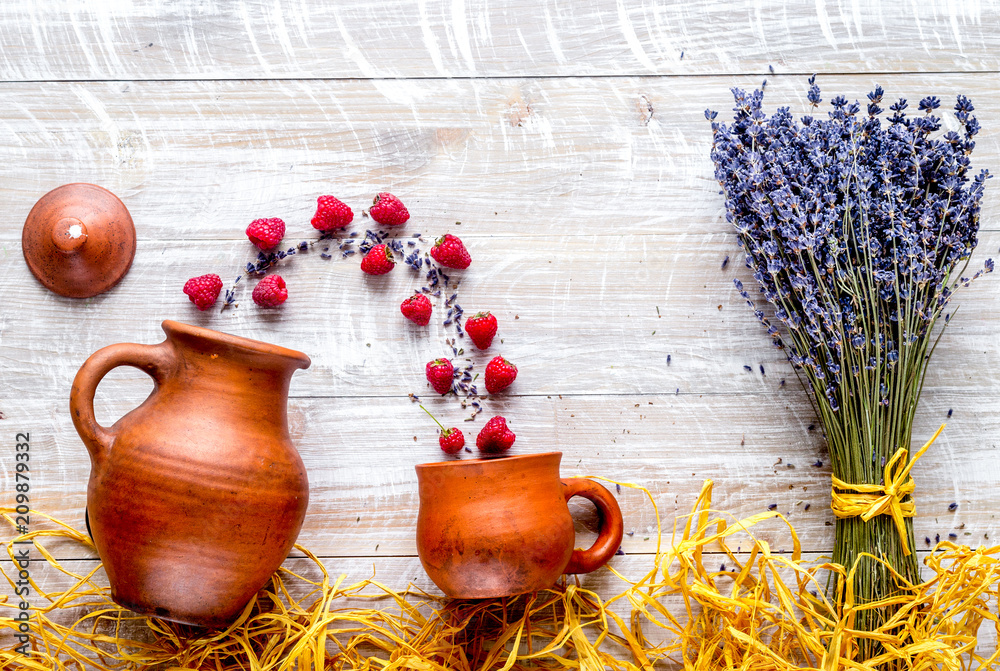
(360, 454)
(598, 315)
(200, 160)
(570, 142)
(67, 40)
(596, 277)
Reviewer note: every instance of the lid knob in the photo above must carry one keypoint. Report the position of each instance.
(69, 233)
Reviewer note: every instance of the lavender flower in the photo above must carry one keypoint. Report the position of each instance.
(853, 228)
(857, 231)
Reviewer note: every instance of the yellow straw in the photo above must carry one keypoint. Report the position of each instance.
(761, 610)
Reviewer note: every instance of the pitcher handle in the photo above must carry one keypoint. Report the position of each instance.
(612, 528)
(154, 360)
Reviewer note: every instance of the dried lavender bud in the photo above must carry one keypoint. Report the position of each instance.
(887, 206)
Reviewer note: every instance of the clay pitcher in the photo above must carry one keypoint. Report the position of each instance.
(498, 527)
(197, 495)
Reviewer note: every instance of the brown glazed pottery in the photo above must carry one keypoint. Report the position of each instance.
(497, 527)
(79, 240)
(197, 495)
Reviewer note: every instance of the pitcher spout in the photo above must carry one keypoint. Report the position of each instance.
(230, 348)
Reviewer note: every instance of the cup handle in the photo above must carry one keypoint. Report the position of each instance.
(154, 360)
(609, 539)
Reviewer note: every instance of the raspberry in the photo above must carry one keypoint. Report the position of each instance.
(270, 292)
(417, 308)
(495, 437)
(500, 374)
(451, 253)
(266, 233)
(440, 373)
(388, 210)
(331, 213)
(452, 440)
(481, 327)
(204, 290)
(378, 261)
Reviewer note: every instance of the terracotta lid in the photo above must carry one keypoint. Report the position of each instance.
(79, 240)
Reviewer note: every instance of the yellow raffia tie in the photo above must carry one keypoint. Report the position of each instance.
(867, 501)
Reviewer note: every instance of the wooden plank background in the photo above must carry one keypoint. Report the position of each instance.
(569, 141)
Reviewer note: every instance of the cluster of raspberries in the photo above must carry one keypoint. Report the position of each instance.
(266, 234)
(448, 251)
(495, 438)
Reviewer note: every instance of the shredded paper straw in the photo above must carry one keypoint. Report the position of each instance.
(758, 610)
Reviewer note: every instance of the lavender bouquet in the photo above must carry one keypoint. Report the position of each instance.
(855, 228)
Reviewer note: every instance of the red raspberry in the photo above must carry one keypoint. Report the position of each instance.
(495, 437)
(204, 290)
(331, 213)
(417, 308)
(452, 440)
(378, 261)
(451, 253)
(266, 233)
(481, 327)
(388, 210)
(440, 373)
(270, 292)
(500, 373)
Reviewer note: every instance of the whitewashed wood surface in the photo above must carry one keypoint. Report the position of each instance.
(569, 140)
(264, 39)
